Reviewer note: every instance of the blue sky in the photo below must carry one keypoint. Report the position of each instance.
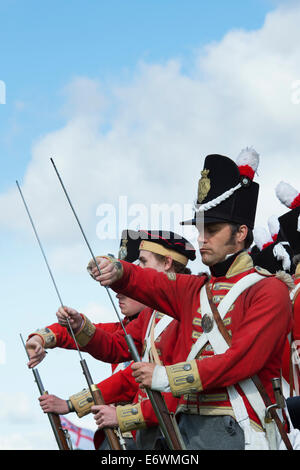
(43, 45)
(128, 97)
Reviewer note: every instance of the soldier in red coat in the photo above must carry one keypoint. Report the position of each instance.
(163, 251)
(56, 335)
(220, 404)
(290, 227)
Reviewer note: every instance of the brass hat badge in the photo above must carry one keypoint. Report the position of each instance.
(203, 186)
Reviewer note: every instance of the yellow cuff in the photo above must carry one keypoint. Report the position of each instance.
(130, 417)
(184, 378)
(48, 337)
(86, 332)
(82, 402)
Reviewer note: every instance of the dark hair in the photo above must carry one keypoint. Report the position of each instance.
(179, 268)
(249, 238)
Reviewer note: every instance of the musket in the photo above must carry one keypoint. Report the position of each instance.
(166, 420)
(95, 392)
(61, 435)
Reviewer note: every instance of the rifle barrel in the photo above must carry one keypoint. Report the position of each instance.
(87, 374)
(158, 404)
(54, 419)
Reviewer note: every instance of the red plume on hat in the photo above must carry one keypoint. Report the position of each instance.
(262, 237)
(288, 195)
(272, 256)
(247, 162)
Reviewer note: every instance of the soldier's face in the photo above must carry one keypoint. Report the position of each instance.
(129, 307)
(216, 242)
(148, 260)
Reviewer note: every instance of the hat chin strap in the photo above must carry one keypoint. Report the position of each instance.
(215, 202)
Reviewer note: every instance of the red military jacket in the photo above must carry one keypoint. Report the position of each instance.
(120, 387)
(61, 338)
(295, 336)
(113, 348)
(258, 322)
(296, 307)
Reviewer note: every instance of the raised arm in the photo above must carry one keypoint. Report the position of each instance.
(164, 292)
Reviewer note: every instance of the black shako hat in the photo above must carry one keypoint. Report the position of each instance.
(226, 191)
(290, 221)
(161, 242)
(276, 256)
(290, 228)
(271, 250)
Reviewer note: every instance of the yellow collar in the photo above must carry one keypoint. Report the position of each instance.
(243, 262)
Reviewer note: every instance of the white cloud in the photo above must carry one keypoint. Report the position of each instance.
(15, 406)
(27, 441)
(99, 314)
(147, 139)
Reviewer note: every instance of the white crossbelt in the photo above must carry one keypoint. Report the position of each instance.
(160, 326)
(215, 338)
(223, 308)
(293, 292)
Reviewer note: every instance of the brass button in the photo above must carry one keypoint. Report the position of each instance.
(207, 323)
(190, 379)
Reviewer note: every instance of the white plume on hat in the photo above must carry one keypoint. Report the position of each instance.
(273, 224)
(286, 193)
(281, 254)
(261, 237)
(248, 157)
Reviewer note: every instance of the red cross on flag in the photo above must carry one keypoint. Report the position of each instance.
(82, 438)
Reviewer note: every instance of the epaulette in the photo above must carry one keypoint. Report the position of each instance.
(171, 276)
(263, 271)
(281, 275)
(286, 278)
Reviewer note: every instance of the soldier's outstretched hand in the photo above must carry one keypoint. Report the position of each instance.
(65, 314)
(110, 269)
(36, 351)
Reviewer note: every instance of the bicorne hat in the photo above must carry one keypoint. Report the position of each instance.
(161, 242)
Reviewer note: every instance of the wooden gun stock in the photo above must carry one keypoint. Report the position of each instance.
(58, 431)
(98, 400)
(168, 422)
(109, 433)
